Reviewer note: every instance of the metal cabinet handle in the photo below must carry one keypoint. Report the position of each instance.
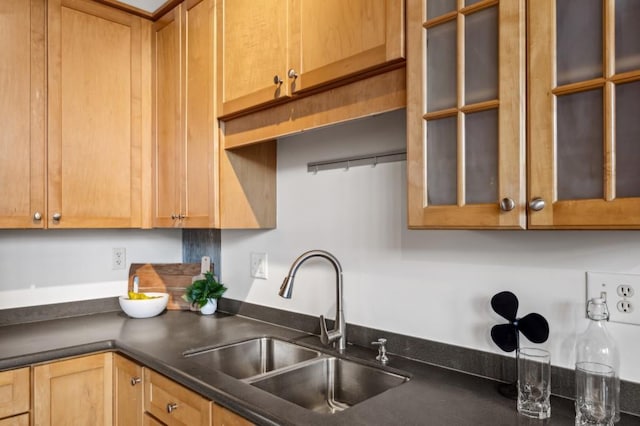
(135, 380)
(56, 216)
(507, 204)
(174, 216)
(171, 406)
(537, 204)
(277, 80)
(37, 216)
(292, 73)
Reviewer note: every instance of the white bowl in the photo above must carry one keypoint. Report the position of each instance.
(144, 308)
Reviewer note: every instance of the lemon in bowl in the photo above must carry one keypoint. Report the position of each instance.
(143, 305)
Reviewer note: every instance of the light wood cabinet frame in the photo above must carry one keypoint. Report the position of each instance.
(511, 121)
(609, 211)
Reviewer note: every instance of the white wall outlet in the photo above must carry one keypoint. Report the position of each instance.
(619, 291)
(259, 266)
(118, 258)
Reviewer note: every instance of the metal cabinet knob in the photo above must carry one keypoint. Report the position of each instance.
(277, 80)
(171, 406)
(56, 216)
(174, 216)
(292, 73)
(507, 204)
(537, 204)
(135, 380)
(37, 216)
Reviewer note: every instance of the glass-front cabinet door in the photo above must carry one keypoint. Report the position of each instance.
(466, 113)
(584, 113)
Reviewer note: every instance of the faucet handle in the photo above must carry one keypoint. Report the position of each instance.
(324, 333)
(382, 351)
(328, 336)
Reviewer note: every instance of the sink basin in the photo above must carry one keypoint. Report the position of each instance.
(329, 385)
(253, 357)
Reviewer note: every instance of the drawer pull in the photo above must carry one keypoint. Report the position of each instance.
(135, 380)
(171, 406)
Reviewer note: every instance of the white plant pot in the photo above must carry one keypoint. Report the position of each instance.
(210, 307)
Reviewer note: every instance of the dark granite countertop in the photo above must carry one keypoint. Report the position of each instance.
(433, 396)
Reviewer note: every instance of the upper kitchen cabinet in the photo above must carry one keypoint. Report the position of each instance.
(271, 50)
(196, 183)
(185, 138)
(466, 114)
(252, 53)
(22, 113)
(583, 114)
(97, 89)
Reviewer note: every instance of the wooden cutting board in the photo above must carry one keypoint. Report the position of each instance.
(172, 278)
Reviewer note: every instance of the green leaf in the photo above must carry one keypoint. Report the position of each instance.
(204, 289)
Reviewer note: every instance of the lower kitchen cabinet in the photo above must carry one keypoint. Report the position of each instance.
(128, 404)
(104, 389)
(224, 417)
(75, 391)
(21, 420)
(174, 404)
(15, 397)
(149, 420)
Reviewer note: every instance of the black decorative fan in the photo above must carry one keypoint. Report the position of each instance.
(507, 336)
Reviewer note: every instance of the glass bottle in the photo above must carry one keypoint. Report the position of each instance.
(597, 370)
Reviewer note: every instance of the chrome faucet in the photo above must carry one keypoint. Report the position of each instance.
(338, 334)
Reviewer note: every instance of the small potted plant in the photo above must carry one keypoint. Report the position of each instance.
(204, 293)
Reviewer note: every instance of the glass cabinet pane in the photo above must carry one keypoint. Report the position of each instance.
(441, 66)
(470, 2)
(627, 35)
(579, 40)
(627, 140)
(481, 157)
(442, 153)
(580, 145)
(437, 8)
(481, 56)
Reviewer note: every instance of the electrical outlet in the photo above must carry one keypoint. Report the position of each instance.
(259, 266)
(625, 306)
(619, 291)
(625, 290)
(118, 258)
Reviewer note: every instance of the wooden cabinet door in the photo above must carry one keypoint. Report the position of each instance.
(21, 420)
(151, 421)
(465, 114)
(174, 404)
(95, 121)
(252, 53)
(185, 127)
(335, 39)
(224, 417)
(199, 203)
(584, 97)
(15, 392)
(22, 114)
(74, 392)
(167, 118)
(128, 406)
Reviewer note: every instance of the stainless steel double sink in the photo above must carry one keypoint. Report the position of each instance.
(309, 378)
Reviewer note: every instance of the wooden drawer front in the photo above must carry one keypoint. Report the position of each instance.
(21, 420)
(189, 408)
(224, 417)
(148, 420)
(14, 392)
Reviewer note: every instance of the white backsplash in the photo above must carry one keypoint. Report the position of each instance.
(39, 267)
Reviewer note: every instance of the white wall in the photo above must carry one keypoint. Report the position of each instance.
(434, 285)
(40, 267)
